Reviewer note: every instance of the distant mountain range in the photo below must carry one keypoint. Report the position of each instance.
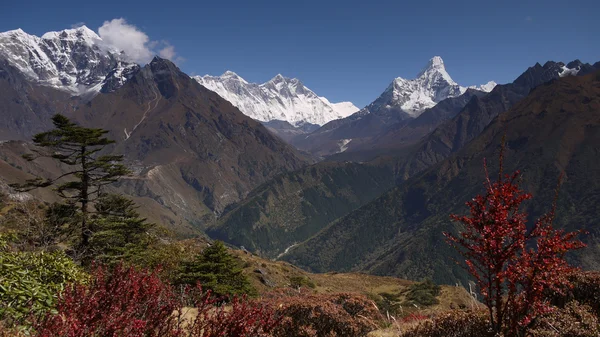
(79, 62)
(402, 101)
(279, 99)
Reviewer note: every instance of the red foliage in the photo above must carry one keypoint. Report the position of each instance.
(128, 302)
(122, 302)
(242, 318)
(323, 315)
(512, 275)
(414, 317)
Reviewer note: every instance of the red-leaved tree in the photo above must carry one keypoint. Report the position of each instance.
(513, 266)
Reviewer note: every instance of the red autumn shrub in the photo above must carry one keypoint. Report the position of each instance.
(452, 324)
(312, 315)
(119, 302)
(514, 267)
(413, 317)
(128, 302)
(585, 289)
(239, 318)
(574, 320)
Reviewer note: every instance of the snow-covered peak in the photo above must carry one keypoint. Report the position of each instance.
(74, 60)
(343, 108)
(436, 61)
(278, 78)
(435, 71)
(229, 74)
(434, 67)
(280, 98)
(484, 87)
(432, 85)
(14, 32)
(82, 33)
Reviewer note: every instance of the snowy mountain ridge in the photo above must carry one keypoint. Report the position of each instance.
(432, 85)
(73, 60)
(280, 98)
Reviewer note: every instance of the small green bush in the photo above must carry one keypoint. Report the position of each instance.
(301, 281)
(31, 281)
(387, 303)
(423, 294)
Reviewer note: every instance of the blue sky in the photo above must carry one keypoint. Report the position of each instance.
(343, 50)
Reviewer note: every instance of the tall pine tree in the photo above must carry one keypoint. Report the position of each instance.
(79, 149)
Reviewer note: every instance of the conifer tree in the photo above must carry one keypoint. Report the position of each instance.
(78, 148)
(120, 233)
(217, 270)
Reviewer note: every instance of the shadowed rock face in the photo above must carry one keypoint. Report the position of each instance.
(25, 107)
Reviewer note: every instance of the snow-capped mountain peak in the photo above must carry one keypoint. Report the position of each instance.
(230, 74)
(435, 68)
(82, 33)
(280, 98)
(277, 78)
(432, 85)
(74, 60)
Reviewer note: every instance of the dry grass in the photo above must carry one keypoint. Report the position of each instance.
(278, 273)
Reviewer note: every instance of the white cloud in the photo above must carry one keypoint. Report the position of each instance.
(135, 43)
(167, 52)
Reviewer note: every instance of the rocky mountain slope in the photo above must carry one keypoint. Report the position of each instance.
(287, 131)
(193, 153)
(402, 101)
(400, 233)
(294, 206)
(279, 99)
(73, 60)
(25, 107)
(401, 136)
